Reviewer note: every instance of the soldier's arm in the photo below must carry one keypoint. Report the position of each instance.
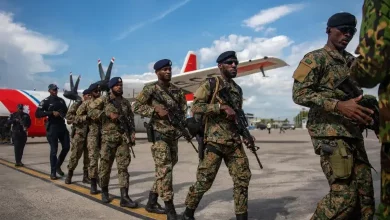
(42, 110)
(65, 108)
(10, 119)
(306, 79)
(109, 108)
(95, 109)
(81, 113)
(200, 105)
(131, 115)
(183, 102)
(141, 105)
(372, 65)
(71, 114)
(28, 120)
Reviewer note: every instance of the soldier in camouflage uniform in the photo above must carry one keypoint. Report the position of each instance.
(371, 68)
(79, 140)
(165, 146)
(334, 125)
(221, 138)
(116, 142)
(93, 137)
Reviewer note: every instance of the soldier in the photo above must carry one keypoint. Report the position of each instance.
(115, 140)
(79, 139)
(370, 69)
(221, 138)
(55, 109)
(332, 125)
(165, 143)
(93, 138)
(20, 123)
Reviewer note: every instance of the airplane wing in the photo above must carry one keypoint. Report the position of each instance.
(189, 81)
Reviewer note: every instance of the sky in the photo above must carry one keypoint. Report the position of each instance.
(42, 41)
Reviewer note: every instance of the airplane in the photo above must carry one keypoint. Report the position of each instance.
(188, 79)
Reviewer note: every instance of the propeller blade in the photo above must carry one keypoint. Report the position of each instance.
(109, 69)
(71, 81)
(77, 84)
(101, 72)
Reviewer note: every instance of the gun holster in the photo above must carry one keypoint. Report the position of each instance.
(150, 133)
(201, 147)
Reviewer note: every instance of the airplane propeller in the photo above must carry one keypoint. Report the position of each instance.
(105, 78)
(72, 94)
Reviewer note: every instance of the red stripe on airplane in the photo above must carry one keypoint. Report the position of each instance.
(11, 98)
(191, 63)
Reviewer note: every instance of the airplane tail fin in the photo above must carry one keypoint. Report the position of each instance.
(190, 62)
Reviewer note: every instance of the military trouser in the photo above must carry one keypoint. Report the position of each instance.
(165, 157)
(383, 211)
(238, 166)
(349, 176)
(20, 139)
(93, 146)
(114, 150)
(57, 132)
(79, 147)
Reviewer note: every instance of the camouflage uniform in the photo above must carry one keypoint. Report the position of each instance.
(165, 148)
(222, 142)
(372, 68)
(79, 142)
(114, 144)
(346, 165)
(92, 142)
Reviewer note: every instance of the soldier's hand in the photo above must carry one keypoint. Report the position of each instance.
(113, 116)
(230, 113)
(161, 111)
(56, 114)
(352, 110)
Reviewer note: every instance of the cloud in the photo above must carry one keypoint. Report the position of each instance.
(161, 16)
(246, 47)
(22, 55)
(270, 15)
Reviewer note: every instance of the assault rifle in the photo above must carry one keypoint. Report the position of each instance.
(242, 123)
(176, 119)
(125, 126)
(347, 89)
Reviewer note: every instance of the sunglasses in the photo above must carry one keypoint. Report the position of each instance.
(230, 62)
(347, 29)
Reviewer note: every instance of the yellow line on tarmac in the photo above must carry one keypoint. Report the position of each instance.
(84, 191)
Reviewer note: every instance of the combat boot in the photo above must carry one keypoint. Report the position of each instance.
(152, 205)
(93, 190)
(170, 209)
(188, 214)
(105, 195)
(68, 179)
(243, 216)
(125, 199)
(86, 178)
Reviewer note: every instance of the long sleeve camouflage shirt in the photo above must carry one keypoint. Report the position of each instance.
(314, 87)
(372, 66)
(145, 103)
(101, 109)
(77, 122)
(218, 129)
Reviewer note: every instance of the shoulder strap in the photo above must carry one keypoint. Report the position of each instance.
(170, 95)
(214, 85)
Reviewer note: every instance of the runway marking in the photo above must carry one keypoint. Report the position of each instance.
(83, 191)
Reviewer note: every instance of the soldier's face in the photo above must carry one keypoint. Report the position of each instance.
(164, 74)
(118, 89)
(341, 36)
(229, 67)
(96, 93)
(53, 92)
(86, 97)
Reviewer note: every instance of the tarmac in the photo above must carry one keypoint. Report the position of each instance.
(289, 186)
